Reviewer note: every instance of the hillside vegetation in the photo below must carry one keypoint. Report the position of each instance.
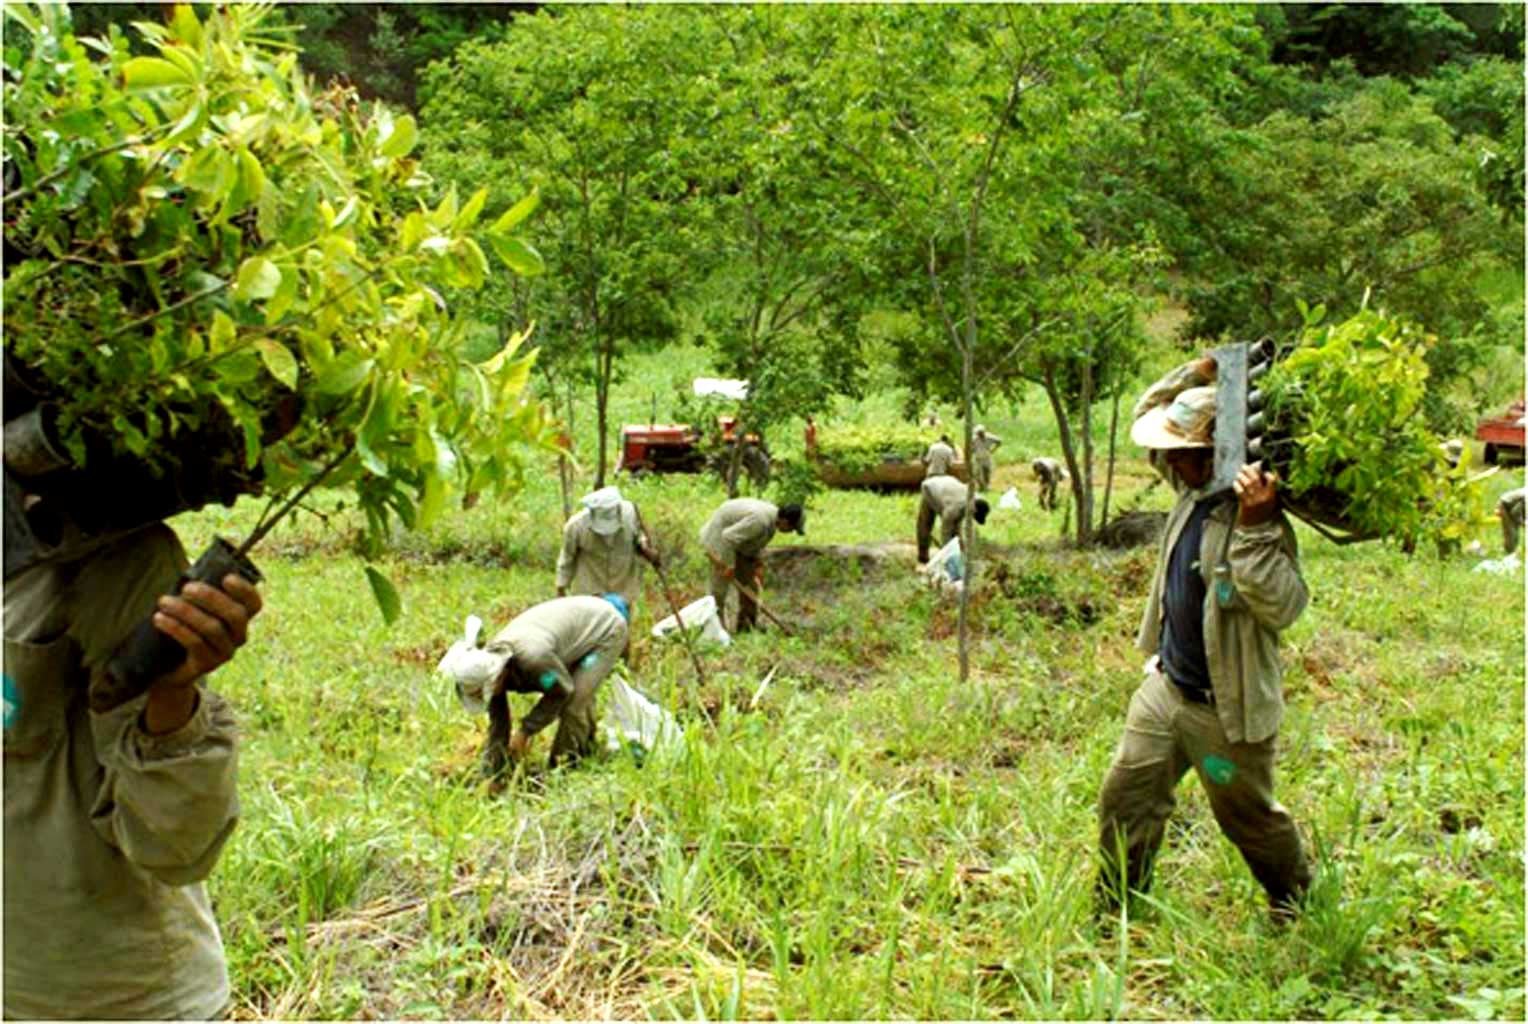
(851, 833)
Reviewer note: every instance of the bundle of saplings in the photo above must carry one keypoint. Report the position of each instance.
(219, 281)
(1347, 437)
(863, 448)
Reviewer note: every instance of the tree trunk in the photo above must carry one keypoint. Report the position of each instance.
(564, 468)
(967, 524)
(1064, 435)
(1085, 506)
(603, 364)
(1103, 520)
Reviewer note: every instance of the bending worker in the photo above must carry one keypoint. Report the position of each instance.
(939, 457)
(1049, 473)
(601, 545)
(1227, 582)
(983, 445)
(561, 649)
(944, 498)
(734, 538)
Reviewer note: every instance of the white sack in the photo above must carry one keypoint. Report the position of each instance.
(632, 718)
(698, 615)
(1010, 500)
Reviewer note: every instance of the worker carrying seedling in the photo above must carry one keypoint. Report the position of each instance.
(1049, 473)
(1509, 508)
(734, 538)
(561, 649)
(939, 457)
(944, 498)
(983, 444)
(602, 548)
(1227, 582)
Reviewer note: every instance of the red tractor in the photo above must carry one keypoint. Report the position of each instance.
(1502, 434)
(677, 448)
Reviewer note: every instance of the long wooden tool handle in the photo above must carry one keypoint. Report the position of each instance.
(763, 608)
(684, 634)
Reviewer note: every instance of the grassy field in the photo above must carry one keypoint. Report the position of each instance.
(863, 837)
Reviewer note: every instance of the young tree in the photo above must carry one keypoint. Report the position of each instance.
(786, 289)
(595, 101)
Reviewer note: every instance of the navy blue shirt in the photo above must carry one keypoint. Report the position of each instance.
(1182, 642)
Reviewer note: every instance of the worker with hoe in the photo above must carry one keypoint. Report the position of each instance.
(1227, 582)
(939, 457)
(562, 650)
(983, 444)
(944, 498)
(1049, 473)
(733, 539)
(601, 547)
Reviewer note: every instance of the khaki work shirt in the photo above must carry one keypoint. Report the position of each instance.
(547, 642)
(593, 563)
(742, 526)
(982, 447)
(938, 460)
(1241, 639)
(109, 832)
(945, 496)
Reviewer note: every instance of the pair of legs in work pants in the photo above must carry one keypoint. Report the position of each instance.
(745, 568)
(981, 468)
(1165, 735)
(575, 722)
(927, 513)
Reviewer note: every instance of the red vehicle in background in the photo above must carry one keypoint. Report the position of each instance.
(676, 448)
(1502, 434)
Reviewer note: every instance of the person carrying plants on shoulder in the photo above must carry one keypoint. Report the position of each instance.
(939, 457)
(1049, 473)
(120, 775)
(601, 547)
(734, 538)
(1227, 583)
(983, 444)
(561, 649)
(944, 498)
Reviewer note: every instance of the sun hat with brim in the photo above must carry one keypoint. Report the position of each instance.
(604, 507)
(1188, 421)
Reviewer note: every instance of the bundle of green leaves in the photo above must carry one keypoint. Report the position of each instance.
(193, 234)
(861, 448)
(1346, 435)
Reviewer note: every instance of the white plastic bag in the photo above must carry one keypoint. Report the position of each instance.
(947, 565)
(633, 719)
(1010, 500)
(697, 615)
(1507, 566)
(471, 668)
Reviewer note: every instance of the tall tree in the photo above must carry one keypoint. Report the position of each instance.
(594, 101)
(784, 245)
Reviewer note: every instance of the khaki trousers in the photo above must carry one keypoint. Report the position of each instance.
(1165, 735)
(981, 468)
(744, 568)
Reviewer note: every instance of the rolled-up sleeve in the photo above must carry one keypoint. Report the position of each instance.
(169, 802)
(553, 677)
(567, 559)
(1266, 573)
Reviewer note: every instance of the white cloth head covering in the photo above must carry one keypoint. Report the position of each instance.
(604, 507)
(1188, 421)
(472, 668)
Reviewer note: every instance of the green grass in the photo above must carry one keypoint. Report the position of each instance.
(868, 838)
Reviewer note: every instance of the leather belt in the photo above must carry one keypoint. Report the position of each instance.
(1194, 694)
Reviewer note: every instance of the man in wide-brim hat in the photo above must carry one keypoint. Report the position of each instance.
(1227, 582)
